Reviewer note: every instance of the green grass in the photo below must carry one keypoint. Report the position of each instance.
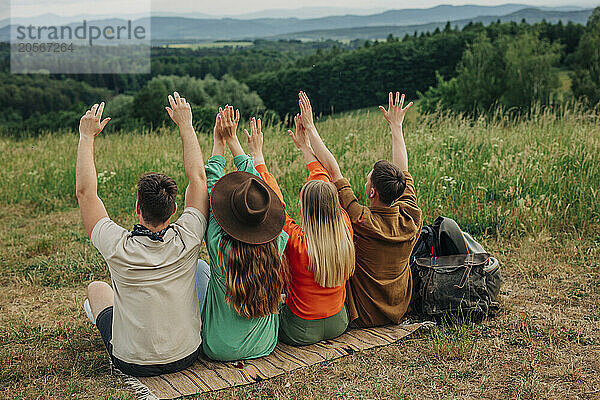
(528, 190)
(564, 82)
(498, 178)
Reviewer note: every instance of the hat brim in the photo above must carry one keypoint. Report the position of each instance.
(220, 204)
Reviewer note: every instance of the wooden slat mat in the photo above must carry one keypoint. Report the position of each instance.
(206, 375)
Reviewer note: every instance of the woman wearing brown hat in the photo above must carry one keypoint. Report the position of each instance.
(320, 255)
(245, 242)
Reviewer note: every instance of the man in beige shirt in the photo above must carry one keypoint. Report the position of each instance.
(150, 319)
(385, 232)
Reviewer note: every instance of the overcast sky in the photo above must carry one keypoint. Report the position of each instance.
(27, 8)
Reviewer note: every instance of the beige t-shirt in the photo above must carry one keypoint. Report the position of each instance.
(156, 317)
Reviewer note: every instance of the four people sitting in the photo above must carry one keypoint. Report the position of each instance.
(268, 278)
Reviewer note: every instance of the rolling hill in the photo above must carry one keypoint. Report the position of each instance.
(531, 15)
(397, 22)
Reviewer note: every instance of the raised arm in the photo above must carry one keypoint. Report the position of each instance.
(219, 143)
(255, 145)
(301, 140)
(320, 150)
(86, 178)
(255, 141)
(395, 116)
(229, 122)
(196, 194)
(215, 167)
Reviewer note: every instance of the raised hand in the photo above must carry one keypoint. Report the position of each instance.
(300, 139)
(229, 122)
(180, 111)
(306, 112)
(255, 137)
(395, 116)
(321, 152)
(196, 194)
(218, 141)
(218, 130)
(395, 113)
(90, 125)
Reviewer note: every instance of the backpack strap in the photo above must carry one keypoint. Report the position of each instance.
(452, 236)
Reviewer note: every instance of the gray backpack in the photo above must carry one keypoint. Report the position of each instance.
(452, 274)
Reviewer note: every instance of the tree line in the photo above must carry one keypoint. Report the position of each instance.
(361, 78)
(519, 71)
(470, 70)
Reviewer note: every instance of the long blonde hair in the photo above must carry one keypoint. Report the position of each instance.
(329, 242)
(254, 277)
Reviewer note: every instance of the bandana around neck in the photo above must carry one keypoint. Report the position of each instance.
(140, 230)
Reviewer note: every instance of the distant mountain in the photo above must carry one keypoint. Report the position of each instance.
(531, 15)
(342, 26)
(165, 25)
(412, 15)
(308, 12)
(176, 28)
(53, 19)
(173, 28)
(188, 15)
(561, 8)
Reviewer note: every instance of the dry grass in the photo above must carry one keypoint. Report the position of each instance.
(545, 344)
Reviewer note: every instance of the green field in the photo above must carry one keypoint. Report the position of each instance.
(528, 190)
(206, 45)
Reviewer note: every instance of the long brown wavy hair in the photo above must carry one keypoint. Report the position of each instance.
(254, 277)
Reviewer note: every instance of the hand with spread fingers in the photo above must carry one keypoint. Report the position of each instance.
(86, 176)
(180, 111)
(255, 137)
(90, 125)
(219, 143)
(229, 122)
(306, 112)
(255, 141)
(301, 140)
(318, 148)
(228, 129)
(395, 112)
(196, 194)
(394, 115)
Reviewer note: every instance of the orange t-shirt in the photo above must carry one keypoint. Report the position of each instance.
(305, 297)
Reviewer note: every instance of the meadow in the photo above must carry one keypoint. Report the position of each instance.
(527, 189)
(206, 45)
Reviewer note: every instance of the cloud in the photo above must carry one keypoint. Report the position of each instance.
(31, 8)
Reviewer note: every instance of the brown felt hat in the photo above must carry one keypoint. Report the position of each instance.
(246, 208)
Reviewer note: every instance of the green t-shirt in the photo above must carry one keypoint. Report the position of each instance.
(226, 335)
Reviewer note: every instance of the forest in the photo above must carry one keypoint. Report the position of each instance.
(472, 70)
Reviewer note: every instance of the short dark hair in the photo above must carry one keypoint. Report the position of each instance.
(388, 180)
(157, 195)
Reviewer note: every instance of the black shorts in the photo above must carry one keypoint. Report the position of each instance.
(104, 324)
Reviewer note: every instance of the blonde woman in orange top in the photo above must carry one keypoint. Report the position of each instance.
(320, 255)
